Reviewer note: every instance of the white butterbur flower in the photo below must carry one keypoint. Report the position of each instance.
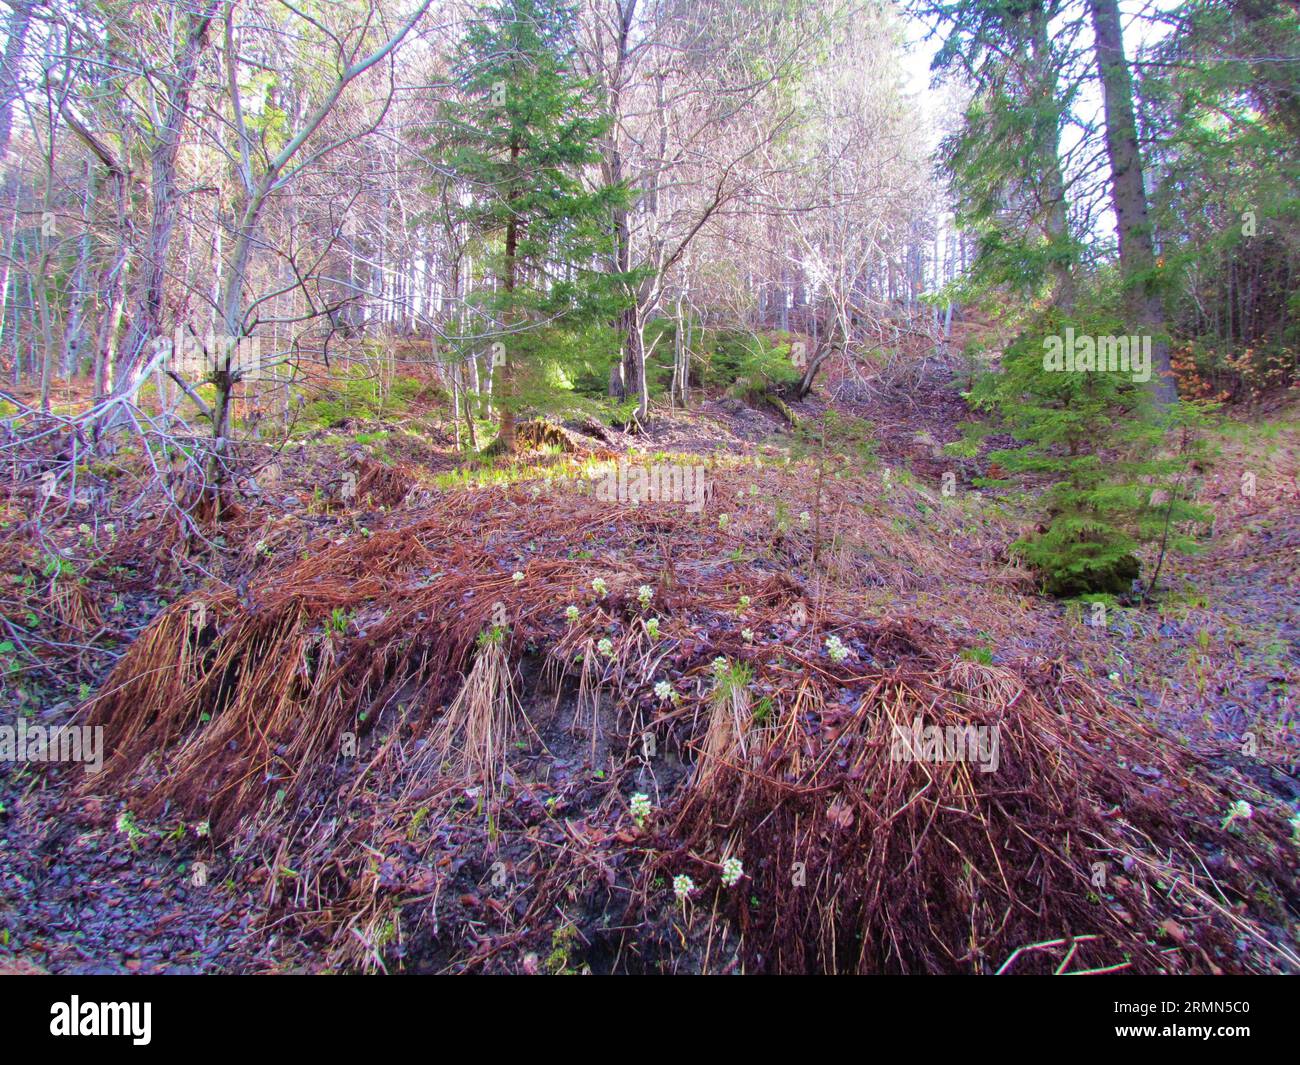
(720, 666)
(606, 647)
(747, 635)
(723, 520)
(652, 627)
(732, 871)
(805, 518)
(599, 586)
(571, 613)
(644, 594)
(1239, 810)
(516, 576)
(664, 690)
(640, 805)
(836, 649)
(683, 887)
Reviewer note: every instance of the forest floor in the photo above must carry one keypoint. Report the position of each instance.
(355, 729)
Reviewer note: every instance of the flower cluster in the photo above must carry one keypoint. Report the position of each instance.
(640, 806)
(836, 649)
(732, 871)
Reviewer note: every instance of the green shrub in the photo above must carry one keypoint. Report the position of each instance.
(1116, 470)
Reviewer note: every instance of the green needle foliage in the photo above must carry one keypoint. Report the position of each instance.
(521, 149)
(1116, 471)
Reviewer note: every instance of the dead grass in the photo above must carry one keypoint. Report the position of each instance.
(237, 708)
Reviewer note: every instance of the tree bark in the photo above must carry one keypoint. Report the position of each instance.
(1128, 196)
(15, 46)
(1057, 219)
(147, 301)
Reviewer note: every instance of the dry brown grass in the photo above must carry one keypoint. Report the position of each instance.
(914, 866)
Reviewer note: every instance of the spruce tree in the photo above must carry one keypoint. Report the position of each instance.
(1115, 468)
(519, 144)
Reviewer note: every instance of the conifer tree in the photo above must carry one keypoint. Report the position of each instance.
(520, 144)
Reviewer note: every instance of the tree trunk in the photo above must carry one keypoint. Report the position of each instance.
(76, 329)
(633, 376)
(147, 302)
(1128, 196)
(15, 46)
(1057, 220)
(505, 441)
(112, 287)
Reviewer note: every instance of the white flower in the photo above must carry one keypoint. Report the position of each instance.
(836, 649)
(723, 519)
(683, 887)
(747, 635)
(644, 594)
(640, 804)
(202, 829)
(1242, 809)
(599, 586)
(1239, 809)
(744, 602)
(805, 517)
(652, 627)
(732, 871)
(606, 648)
(720, 666)
(516, 576)
(571, 612)
(664, 690)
